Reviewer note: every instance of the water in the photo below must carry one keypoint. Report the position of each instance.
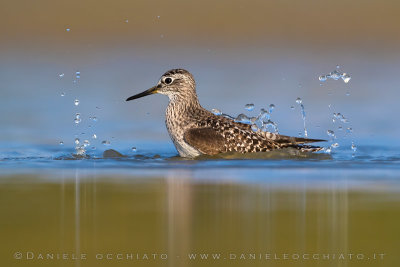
(303, 115)
(335, 75)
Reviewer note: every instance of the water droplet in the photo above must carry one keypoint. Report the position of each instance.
(62, 94)
(253, 120)
(291, 107)
(328, 150)
(67, 29)
(322, 78)
(337, 67)
(346, 78)
(77, 118)
(335, 75)
(94, 119)
(76, 102)
(249, 107)
(271, 108)
(61, 143)
(298, 100)
(353, 147)
(98, 107)
(340, 128)
(347, 93)
(349, 130)
(330, 133)
(106, 142)
(242, 118)
(86, 143)
(216, 111)
(254, 127)
(134, 149)
(271, 125)
(94, 136)
(335, 145)
(61, 75)
(78, 74)
(77, 141)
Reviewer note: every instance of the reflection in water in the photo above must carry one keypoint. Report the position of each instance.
(178, 215)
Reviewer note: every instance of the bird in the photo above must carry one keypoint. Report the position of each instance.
(195, 131)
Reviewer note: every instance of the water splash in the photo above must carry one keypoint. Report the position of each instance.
(242, 118)
(249, 107)
(299, 101)
(134, 149)
(216, 112)
(106, 142)
(76, 102)
(335, 75)
(77, 119)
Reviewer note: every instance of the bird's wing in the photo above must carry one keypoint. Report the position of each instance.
(206, 140)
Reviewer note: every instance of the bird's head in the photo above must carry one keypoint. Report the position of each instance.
(176, 84)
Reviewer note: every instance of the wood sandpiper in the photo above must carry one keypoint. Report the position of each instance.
(196, 131)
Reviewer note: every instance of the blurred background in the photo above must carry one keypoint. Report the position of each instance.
(240, 52)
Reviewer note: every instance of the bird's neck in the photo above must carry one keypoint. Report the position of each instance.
(181, 105)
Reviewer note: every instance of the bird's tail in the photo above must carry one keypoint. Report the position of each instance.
(298, 143)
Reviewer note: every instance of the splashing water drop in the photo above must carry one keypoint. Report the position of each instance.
(94, 136)
(271, 108)
(303, 115)
(335, 75)
(335, 145)
(76, 102)
(242, 118)
(322, 78)
(346, 78)
(94, 119)
(77, 141)
(249, 107)
(62, 94)
(133, 149)
(106, 142)
(86, 143)
(353, 147)
(77, 119)
(292, 107)
(216, 111)
(330, 133)
(337, 66)
(78, 74)
(347, 93)
(61, 143)
(328, 150)
(61, 75)
(349, 130)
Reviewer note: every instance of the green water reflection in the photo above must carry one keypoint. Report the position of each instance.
(120, 219)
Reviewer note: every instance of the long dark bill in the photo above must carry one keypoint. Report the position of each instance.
(151, 91)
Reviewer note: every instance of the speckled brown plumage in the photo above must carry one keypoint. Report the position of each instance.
(195, 131)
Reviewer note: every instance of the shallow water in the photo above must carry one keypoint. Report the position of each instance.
(247, 212)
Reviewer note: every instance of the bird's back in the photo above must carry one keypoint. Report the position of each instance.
(212, 134)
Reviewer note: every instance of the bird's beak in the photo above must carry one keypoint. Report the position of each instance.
(151, 91)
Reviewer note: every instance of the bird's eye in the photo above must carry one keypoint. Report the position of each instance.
(168, 80)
